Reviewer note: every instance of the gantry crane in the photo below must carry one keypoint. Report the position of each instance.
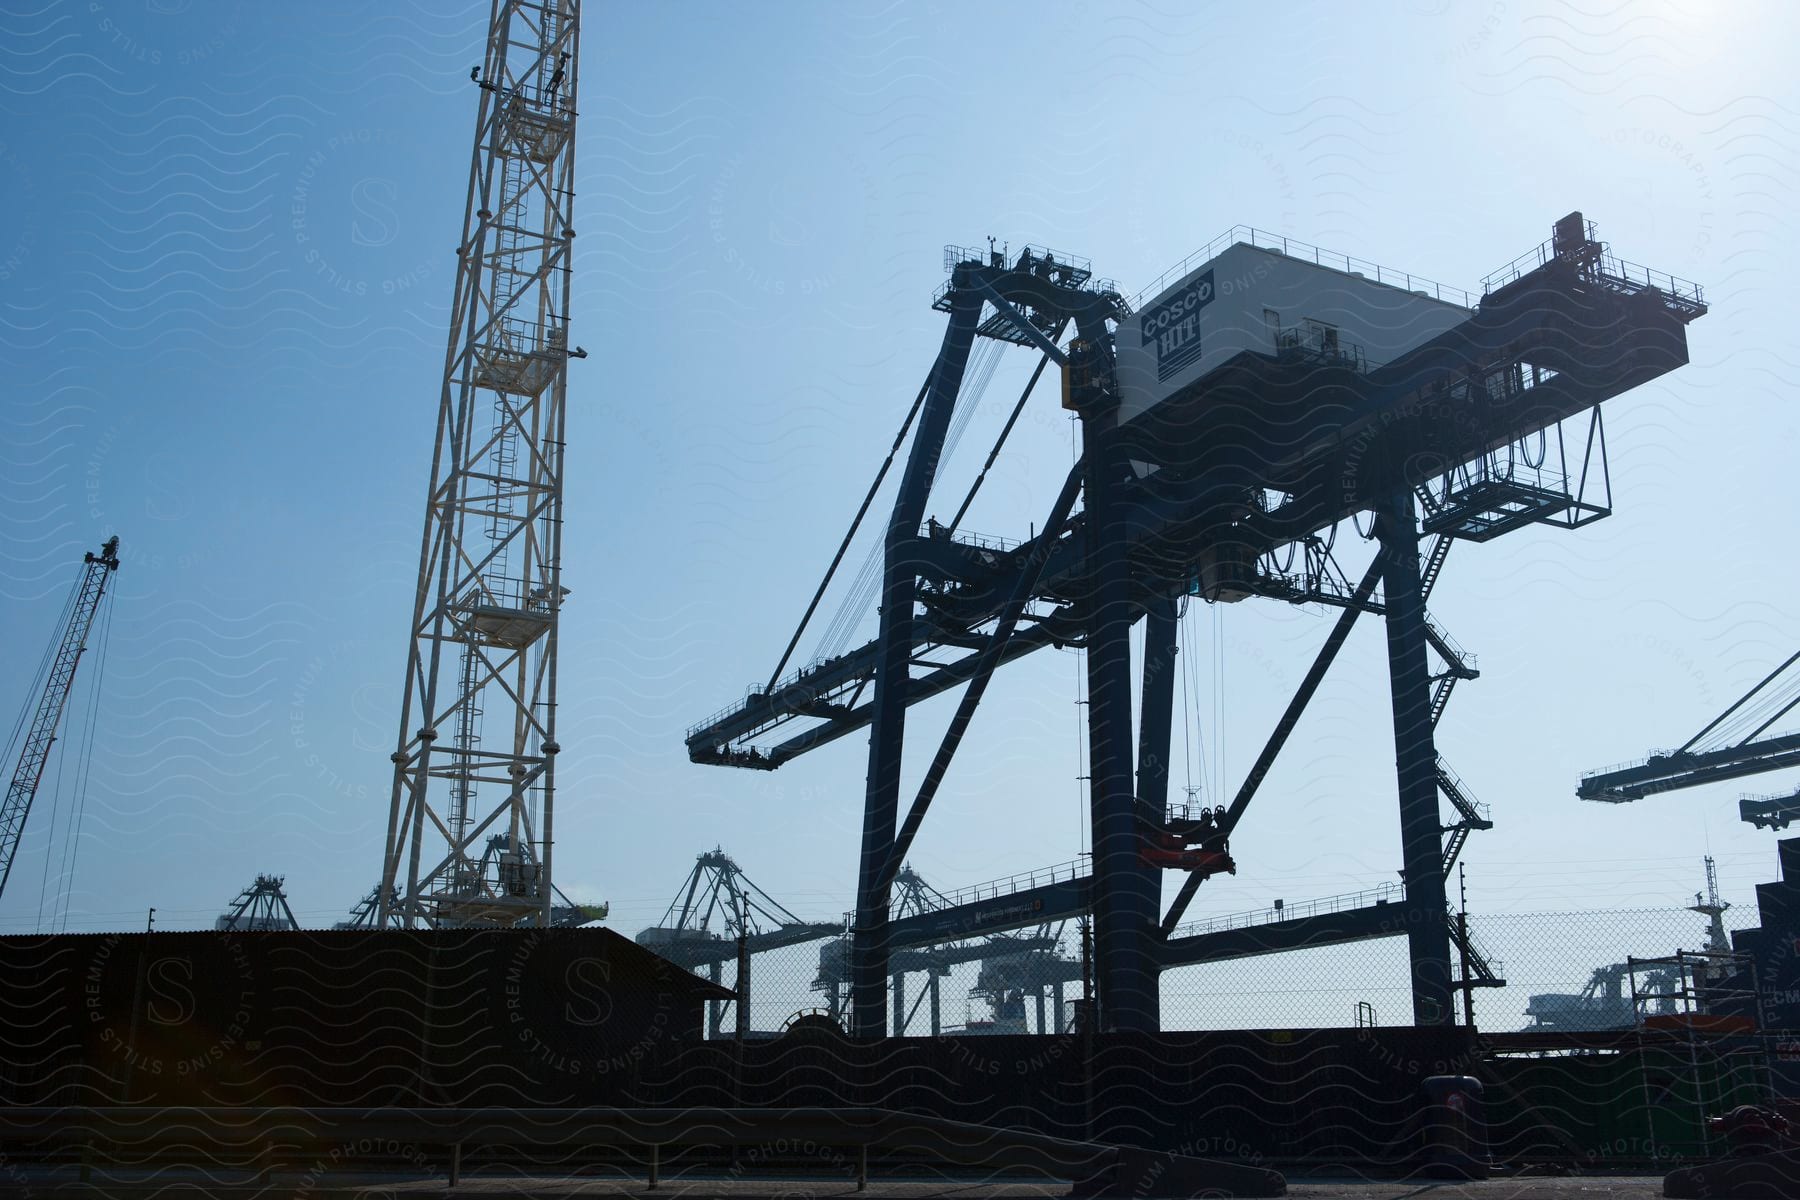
(1276, 444)
(470, 821)
(752, 921)
(366, 913)
(1010, 974)
(929, 938)
(260, 908)
(84, 603)
(1734, 744)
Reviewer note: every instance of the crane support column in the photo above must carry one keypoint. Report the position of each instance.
(1127, 891)
(894, 649)
(1415, 762)
(1156, 709)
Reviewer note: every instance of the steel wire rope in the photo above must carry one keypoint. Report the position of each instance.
(1219, 699)
(83, 772)
(1006, 429)
(1080, 660)
(855, 607)
(1200, 762)
(1757, 717)
(1741, 722)
(987, 361)
(1187, 719)
(84, 762)
(41, 676)
(855, 523)
(1704, 736)
(62, 758)
(39, 681)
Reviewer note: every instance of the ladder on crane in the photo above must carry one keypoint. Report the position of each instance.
(90, 588)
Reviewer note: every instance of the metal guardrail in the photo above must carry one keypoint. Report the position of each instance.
(1611, 267)
(993, 889)
(984, 541)
(797, 676)
(962, 254)
(1348, 901)
(1657, 754)
(996, 889)
(253, 1132)
(1306, 252)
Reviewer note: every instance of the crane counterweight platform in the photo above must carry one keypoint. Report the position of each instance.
(40, 735)
(1229, 421)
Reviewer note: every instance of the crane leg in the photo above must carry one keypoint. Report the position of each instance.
(1415, 762)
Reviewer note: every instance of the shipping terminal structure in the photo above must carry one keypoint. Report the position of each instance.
(1258, 396)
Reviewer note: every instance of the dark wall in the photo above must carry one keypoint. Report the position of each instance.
(333, 1018)
(571, 1018)
(1331, 1095)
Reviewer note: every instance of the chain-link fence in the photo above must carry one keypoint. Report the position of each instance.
(1544, 970)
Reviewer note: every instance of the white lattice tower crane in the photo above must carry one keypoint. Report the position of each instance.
(470, 825)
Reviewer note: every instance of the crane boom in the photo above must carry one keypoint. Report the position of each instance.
(1734, 744)
(30, 769)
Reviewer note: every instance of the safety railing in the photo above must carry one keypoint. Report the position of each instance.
(962, 537)
(275, 1149)
(954, 255)
(1684, 290)
(1011, 884)
(1460, 658)
(755, 690)
(1612, 269)
(1306, 252)
(1282, 911)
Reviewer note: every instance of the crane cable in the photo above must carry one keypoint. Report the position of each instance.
(62, 757)
(1006, 429)
(39, 681)
(39, 678)
(84, 770)
(861, 596)
(1187, 719)
(855, 523)
(1725, 728)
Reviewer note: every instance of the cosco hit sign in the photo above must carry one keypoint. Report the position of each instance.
(1173, 327)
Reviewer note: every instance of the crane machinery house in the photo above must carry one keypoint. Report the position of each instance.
(1276, 298)
(1251, 359)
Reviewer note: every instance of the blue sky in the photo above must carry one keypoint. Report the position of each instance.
(224, 284)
